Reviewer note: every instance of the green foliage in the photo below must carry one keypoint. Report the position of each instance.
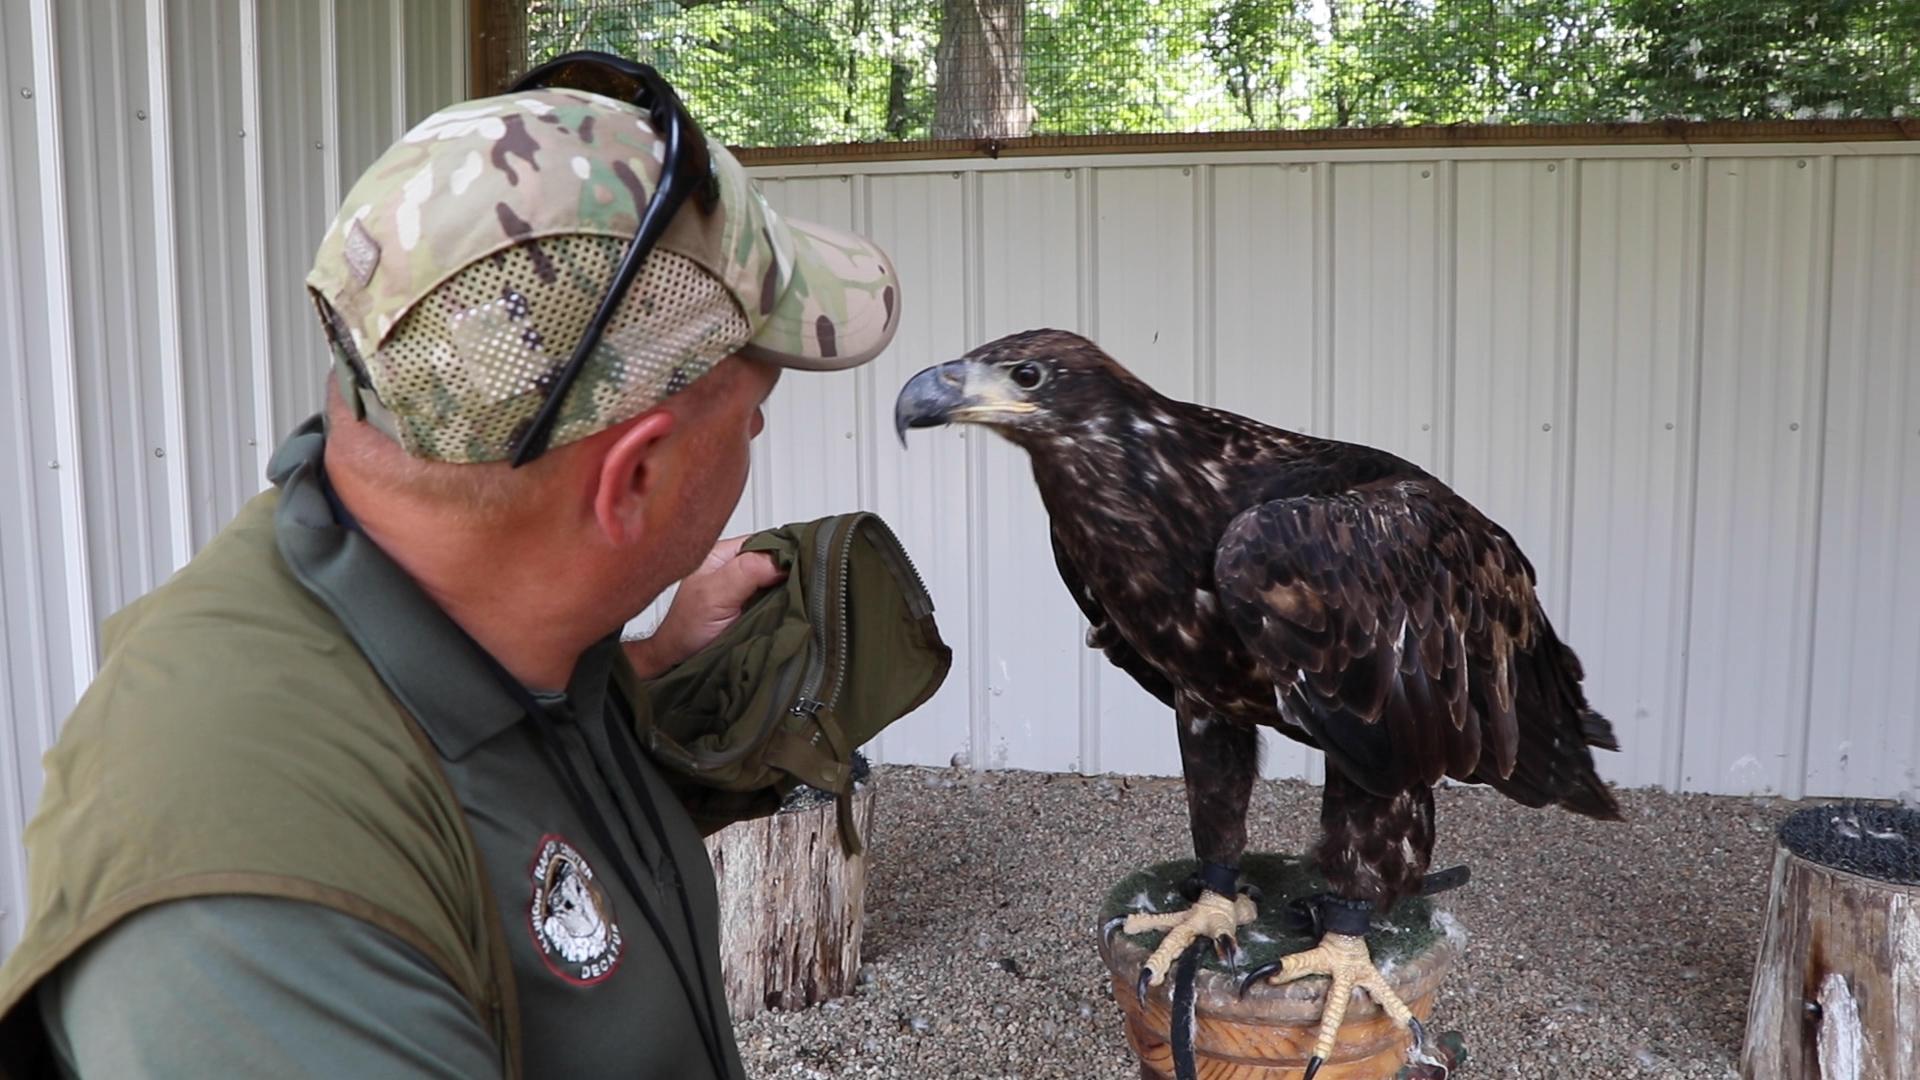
(797, 72)
(1772, 58)
(762, 73)
(1097, 66)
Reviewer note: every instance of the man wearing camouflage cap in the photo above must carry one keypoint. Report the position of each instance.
(355, 793)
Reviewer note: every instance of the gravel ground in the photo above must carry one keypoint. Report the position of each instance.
(1595, 949)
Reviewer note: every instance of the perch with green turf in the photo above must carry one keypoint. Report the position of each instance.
(1269, 1032)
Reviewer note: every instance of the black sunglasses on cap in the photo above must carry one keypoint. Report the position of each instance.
(686, 172)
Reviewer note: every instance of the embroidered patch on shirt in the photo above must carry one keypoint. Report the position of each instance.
(571, 916)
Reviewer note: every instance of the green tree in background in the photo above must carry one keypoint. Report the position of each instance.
(1770, 58)
(801, 72)
(1122, 65)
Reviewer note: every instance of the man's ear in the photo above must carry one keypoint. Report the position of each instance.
(630, 475)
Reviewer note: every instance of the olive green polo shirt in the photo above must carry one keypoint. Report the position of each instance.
(229, 985)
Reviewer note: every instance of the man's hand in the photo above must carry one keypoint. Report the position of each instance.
(707, 602)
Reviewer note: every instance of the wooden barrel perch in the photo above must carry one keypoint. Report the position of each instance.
(1269, 1034)
(792, 903)
(1836, 986)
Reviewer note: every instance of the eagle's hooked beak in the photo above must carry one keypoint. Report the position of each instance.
(957, 391)
(930, 397)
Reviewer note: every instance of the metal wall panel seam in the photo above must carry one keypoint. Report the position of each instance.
(974, 308)
(1909, 173)
(1323, 286)
(1325, 380)
(1087, 222)
(397, 58)
(1206, 372)
(1566, 398)
(865, 444)
(221, 358)
(462, 53)
(1687, 465)
(254, 197)
(330, 178)
(1446, 298)
(1813, 428)
(106, 292)
(762, 506)
(37, 674)
(865, 387)
(166, 253)
(83, 654)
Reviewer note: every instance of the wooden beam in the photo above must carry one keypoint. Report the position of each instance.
(1435, 136)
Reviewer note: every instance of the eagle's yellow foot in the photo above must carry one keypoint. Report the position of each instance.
(1212, 917)
(1344, 958)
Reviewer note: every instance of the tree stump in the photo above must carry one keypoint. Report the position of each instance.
(1836, 987)
(1270, 1034)
(792, 903)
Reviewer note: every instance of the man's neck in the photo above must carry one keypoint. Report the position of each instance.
(519, 616)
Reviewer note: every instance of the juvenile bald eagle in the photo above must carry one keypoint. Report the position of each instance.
(1249, 576)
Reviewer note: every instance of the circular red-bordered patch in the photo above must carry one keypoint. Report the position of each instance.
(570, 916)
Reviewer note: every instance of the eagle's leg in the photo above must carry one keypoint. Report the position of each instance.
(1219, 759)
(1375, 850)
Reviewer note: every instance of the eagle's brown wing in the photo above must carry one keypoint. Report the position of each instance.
(1404, 631)
(1103, 635)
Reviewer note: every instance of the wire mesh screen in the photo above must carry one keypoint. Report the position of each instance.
(769, 73)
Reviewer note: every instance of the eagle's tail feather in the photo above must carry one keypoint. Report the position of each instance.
(1597, 730)
(1553, 763)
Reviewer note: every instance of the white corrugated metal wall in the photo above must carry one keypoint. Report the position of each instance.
(166, 170)
(1686, 377)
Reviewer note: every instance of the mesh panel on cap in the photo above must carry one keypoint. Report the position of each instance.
(468, 366)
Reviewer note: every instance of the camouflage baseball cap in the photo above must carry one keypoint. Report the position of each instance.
(465, 264)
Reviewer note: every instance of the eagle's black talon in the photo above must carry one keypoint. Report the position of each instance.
(1140, 987)
(1251, 977)
(1225, 949)
(1113, 924)
(1251, 892)
(1313, 1065)
(1303, 915)
(1419, 1036)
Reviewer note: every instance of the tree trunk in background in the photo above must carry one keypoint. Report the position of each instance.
(861, 8)
(897, 75)
(982, 88)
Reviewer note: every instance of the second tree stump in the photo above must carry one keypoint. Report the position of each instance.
(1836, 988)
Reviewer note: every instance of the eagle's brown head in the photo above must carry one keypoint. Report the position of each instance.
(1030, 386)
